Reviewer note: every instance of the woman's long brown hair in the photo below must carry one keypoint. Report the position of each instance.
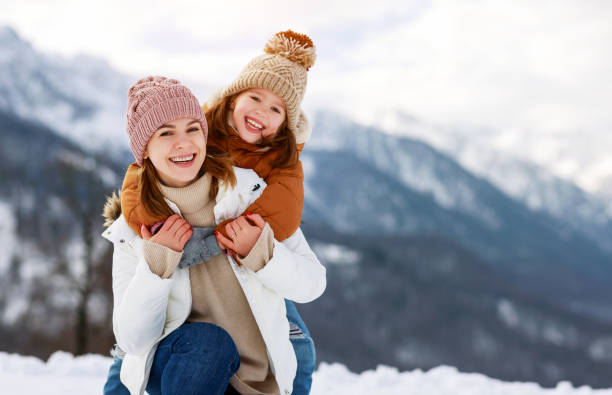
(283, 142)
(217, 163)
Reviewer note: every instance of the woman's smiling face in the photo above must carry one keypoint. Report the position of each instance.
(177, 150)
(257, 113)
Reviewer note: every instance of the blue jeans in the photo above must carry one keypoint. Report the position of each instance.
(302, 345)
(304, 350)
(197, 358)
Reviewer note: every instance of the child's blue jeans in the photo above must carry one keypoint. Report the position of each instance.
(300, 339)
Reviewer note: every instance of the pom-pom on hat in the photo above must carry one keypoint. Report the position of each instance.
(282, 69)
(154, 101)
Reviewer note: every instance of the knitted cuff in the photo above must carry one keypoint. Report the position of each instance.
(261, 252)
(201, 247)
(161, 260)
(212, 245)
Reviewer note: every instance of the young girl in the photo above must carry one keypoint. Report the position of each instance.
(194, 329)
(257, 122)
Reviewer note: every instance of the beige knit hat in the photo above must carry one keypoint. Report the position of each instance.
(282, 69)
(153, 101)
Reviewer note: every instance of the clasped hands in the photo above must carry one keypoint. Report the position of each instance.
(243, 233)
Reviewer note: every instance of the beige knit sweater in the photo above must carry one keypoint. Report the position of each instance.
(217, 296)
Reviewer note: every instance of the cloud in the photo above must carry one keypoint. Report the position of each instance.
(528, 65)
(520, 65)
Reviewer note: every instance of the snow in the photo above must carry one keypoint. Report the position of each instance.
(335, 253)
(61, 374)
(65, 374)
(57, 92)
(508, 157)
(8, 240)
(507, 313)
(601, 349)
(415, 165)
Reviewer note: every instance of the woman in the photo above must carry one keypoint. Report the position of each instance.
(194, 329)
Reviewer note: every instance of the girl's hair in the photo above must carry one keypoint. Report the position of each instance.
(217, 163)
(282, 142)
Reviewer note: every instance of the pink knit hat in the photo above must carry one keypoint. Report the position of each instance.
(152, 102)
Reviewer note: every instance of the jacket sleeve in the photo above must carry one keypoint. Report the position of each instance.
(281, 202)
(133, 211)
(140, 301)
(294, 272)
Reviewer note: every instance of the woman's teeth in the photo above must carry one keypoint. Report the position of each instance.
(182, 159)
(254, 123)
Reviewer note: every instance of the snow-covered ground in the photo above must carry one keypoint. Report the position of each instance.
(64, 374)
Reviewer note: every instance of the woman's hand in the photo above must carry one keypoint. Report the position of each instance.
(244, 232)
(173, 234)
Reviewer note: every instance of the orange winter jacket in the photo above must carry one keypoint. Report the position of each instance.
(280, 203)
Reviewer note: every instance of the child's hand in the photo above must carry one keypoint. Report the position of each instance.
(173, 234)
(243, 234)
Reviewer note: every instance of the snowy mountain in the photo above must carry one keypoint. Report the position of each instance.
(362, 181)
(542, 191)
(400, 316)
(538, 168)
(82, 98)
(429, 262)
(54, 267)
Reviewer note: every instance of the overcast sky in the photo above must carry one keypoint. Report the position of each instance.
(528, 64)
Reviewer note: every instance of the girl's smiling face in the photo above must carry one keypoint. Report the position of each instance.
(177, 150)
(257, 113)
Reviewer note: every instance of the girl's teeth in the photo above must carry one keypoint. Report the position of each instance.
(182, 159)
(254, 124)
